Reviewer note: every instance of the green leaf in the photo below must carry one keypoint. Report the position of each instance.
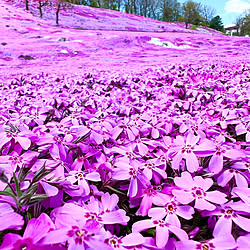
(114, 190)
(22, 174)
(82, 138)
(29, 216)
(3, 177)
(7, 193)
(18, 190)
(26, 196)
(14, 127)
(40, 173)
(37, 198)
(151, 232)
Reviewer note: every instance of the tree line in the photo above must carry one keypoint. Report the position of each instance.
(243, 24)
(189, 12)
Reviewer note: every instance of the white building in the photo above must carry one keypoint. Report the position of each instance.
(232, 29)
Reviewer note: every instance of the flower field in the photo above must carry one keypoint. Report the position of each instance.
(145, 147)
(147, 161)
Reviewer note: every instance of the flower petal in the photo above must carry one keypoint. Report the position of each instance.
(223, 242)
(120, 174)
(185, 212)
(142, 225)
(181, 234)
(41, 226)
(49, 189)
(24, 142)
(223, 226)
(234, 153)
(93, 176)
(157, 213)
(185, 181)
(224, 178)
(133, 187)
(216, 197)
(9, 240)
(191, 162)
(182, 196)
(240, 180)
(11, 221)
(176, 160)
(205, 184)
(145, 205)
(115, 217)
(162, 235)
(172, 219)
(143, 149)
(216, 163)
(192, 139)
(133, 239)
(242, 222)
(204, 205)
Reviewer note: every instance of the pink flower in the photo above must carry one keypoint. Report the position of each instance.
(187, 149)
(216, 162)
(10, 162)
(229, 213)
(151, 168)
(9, 219)
(170, 212)
(129, 170)
(162, 230)
(79, 179)
(150, 196)
(126, 126)
(93, 212)
(223, 242)
(78, 236)
(244, 127)
(35, 231)
(196, 189)
(243, 193)
(243, 242)
(228, 174)
(130, 241)
(18, 136)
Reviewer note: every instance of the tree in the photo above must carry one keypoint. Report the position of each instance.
(243, 22)
(41, 4)
(60, 5)
(217, 24)
(170, 10)
(130, 6)
(192, 13)
(27, 4)
(154, 9)
(147, 8)
(208, 13)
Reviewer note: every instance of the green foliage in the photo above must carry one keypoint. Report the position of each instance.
(28, 196)
(193, 27)
(243, 22)
(94, 4)
(217, 24)
(192, 13)
(170, 10)
(208, 13)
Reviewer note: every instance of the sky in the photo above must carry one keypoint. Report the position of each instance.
(228, 10)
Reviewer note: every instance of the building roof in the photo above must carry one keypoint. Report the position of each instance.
(232, 28)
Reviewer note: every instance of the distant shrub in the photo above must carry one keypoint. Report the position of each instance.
(193, 27)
